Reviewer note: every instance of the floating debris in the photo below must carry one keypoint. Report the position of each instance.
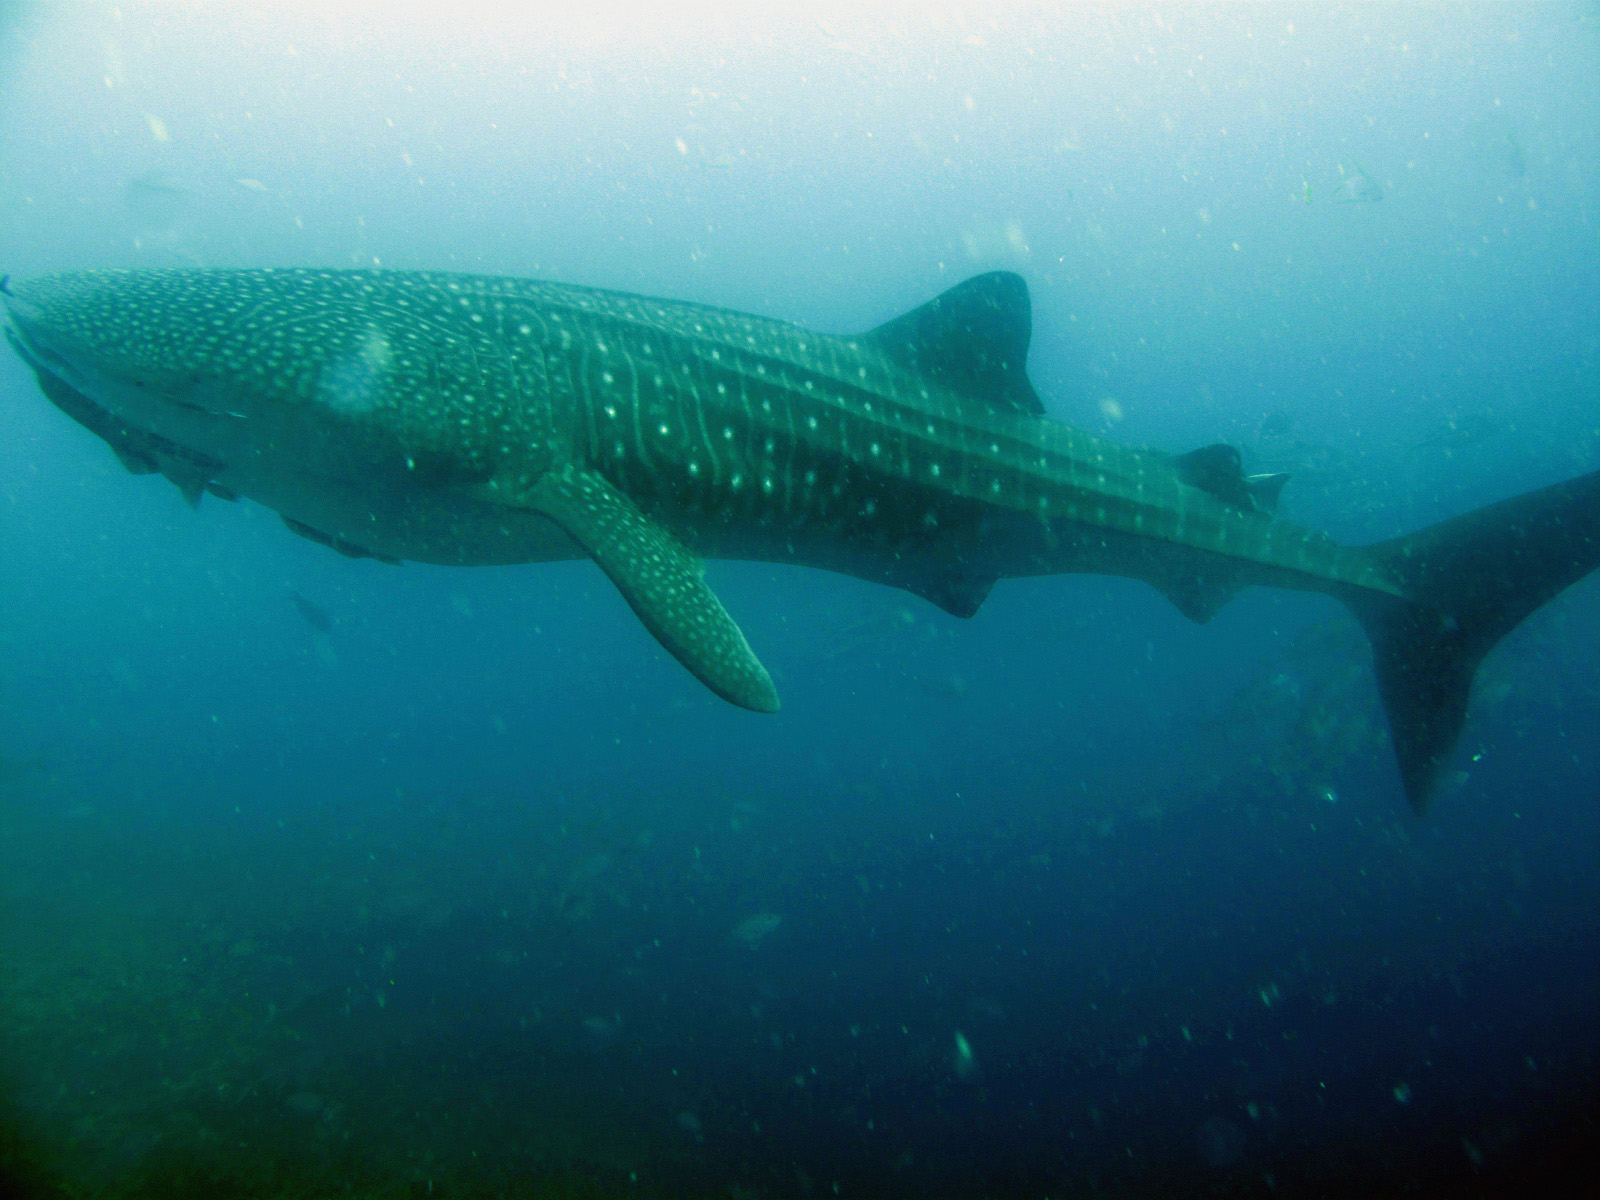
(965, 1062)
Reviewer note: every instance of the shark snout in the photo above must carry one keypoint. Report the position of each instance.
(29, 337)
(26, 310)
(72, 326)
(55, 312)
(18, 309)
(24, 326)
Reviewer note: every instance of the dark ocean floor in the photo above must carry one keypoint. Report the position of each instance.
(475, 1135)
(287, 1011)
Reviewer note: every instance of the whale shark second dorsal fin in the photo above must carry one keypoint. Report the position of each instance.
(1218, 470)
(971, 340)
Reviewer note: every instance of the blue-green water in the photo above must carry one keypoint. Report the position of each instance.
(325, 877)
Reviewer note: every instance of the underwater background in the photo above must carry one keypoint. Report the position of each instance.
(321, 877)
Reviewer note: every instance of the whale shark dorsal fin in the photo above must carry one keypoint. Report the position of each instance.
(659, 578)
(972, 340)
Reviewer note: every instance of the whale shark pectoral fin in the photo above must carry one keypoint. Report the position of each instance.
(660, 579)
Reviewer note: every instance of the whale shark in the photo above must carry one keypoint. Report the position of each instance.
(462, 419)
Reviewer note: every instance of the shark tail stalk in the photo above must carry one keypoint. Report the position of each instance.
(1468, 582)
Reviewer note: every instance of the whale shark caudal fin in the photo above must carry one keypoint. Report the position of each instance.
(1467, 582)
(660, 579)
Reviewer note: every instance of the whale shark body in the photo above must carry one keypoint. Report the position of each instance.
(465, 420)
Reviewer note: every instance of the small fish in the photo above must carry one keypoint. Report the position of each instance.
(156, 200)
(835, 42)
(753, 930)
(945, 685)
(16, 768)
(602, 1031)
(1357, 187)
(314, 616)
(1276, 424)
(1465, 429)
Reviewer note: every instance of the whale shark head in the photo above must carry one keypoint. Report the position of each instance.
(383, 370)
(158, 347)
(84, 328)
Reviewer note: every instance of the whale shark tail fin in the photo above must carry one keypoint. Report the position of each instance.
(1467, 582)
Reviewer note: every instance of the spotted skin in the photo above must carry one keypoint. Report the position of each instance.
(467, 419)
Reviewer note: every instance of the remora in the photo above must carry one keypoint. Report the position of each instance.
(465, 419)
